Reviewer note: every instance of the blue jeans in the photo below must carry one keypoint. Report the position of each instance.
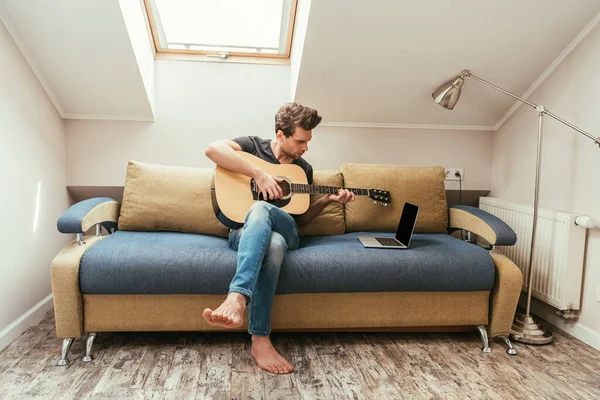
(261, 244)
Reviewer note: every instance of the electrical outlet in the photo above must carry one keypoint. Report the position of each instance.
(451, 174)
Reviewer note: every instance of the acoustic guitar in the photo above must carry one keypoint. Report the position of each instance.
(235, 193)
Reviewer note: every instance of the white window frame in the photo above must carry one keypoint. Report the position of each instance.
(225, 56)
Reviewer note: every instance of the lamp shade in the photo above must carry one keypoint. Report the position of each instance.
(448, 94)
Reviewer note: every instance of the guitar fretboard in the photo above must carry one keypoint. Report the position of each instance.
(319, 189)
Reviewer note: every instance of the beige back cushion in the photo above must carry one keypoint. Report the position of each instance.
(423, 186)
(165, 198)
(331, 219)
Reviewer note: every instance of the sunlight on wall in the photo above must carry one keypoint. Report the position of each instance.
(37, 207)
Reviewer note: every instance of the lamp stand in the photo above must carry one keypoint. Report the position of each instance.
(524, 328)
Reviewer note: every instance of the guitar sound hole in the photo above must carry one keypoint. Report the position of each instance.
(285, 188)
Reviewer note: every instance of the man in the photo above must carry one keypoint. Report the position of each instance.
(268, 232)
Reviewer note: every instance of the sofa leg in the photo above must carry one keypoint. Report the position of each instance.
(66, 346)
(484, 337)
(511, 350)
(88, 348)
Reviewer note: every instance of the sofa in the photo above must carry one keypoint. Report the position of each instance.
(155, 260)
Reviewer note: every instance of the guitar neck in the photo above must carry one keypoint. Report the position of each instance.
(319, 189)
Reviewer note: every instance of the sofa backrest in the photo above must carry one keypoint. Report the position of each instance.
(168, 198)
(158, 197)
(165, 198)
(423, 186)
(331, 221)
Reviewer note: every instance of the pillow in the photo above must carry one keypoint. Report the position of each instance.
(165, 198)
(331, 220)
(423, 186)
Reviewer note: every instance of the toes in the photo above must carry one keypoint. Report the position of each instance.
(276, 368)
(207, 314)
(220, 316)
(285, 366)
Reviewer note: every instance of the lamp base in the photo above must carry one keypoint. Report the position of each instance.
(526, 330)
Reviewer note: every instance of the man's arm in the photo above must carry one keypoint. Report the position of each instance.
(317, 207)
(223, 153)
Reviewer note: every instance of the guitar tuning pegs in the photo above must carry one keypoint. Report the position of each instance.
(374, 202)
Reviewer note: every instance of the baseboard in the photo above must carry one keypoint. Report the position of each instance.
(30, 318)
(573, 328)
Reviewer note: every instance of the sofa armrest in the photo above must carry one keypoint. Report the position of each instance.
(504, 296)
(83, 215)
(68, 301)
(482, 223)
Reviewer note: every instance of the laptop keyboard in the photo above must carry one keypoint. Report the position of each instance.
(389, 242)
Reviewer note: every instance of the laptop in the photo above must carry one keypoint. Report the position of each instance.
(404, 233)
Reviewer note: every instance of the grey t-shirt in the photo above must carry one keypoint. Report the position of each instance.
(261, 148)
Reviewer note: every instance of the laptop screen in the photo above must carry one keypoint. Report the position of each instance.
(407, 223)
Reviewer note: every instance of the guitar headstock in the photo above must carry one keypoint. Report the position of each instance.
(381, 197)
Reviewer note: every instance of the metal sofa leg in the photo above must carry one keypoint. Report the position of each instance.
(66, 346)
(484, 337)
(88, 347)
(511, 350)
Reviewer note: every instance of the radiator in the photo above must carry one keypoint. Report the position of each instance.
(558, 254)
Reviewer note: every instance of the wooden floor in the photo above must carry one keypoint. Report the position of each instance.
(328, 365)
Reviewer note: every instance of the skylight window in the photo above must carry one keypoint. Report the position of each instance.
(223, 28)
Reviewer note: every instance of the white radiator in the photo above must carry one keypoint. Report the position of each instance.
(558, 254)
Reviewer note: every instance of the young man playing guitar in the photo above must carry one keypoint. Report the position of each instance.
(268, 232)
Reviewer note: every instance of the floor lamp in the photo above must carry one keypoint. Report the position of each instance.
(524, 328)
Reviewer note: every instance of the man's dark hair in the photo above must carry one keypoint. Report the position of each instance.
(291, 115)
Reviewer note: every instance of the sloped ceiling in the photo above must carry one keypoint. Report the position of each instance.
(81, 52)
(363, 62)
(378, 61)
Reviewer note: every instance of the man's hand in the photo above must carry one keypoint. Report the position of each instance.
(267, 184)
(344, 196)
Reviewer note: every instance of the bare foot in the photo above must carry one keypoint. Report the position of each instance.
(230, 314)
(267, 357)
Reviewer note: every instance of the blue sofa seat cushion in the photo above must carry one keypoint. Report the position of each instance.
(130, 262)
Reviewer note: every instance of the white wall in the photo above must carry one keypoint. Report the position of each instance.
(302, 15)
(195, 103)
(81, 50)
(570, 177)
(471, 150)
(32, 170)
(135, 21)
